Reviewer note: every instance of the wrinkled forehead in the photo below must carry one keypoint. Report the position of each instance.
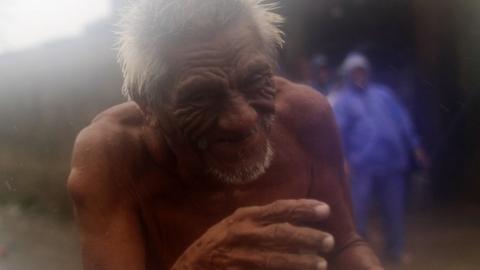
(230, 51)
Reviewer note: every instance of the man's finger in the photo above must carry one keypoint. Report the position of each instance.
(275, 261)
(288, 238)
(293, 211)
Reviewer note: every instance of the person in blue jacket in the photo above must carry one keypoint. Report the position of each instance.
(378, 139)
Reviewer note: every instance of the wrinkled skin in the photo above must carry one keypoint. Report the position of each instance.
(145, 198)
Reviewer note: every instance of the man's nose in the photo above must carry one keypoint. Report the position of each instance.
(239, 116)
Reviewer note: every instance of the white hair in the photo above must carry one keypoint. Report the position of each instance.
(147, 25)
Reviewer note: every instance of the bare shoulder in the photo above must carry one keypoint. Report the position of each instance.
(301, 107)
(300, 92)
(112, 133)
(106, 151)
(127, 114)
(307, 114)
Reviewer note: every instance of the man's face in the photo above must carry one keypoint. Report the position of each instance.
(360, 77)
(223, 105)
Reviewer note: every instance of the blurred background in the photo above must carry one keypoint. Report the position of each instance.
(58, 70)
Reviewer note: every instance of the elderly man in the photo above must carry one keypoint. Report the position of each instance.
(378, 138)
(214, 163)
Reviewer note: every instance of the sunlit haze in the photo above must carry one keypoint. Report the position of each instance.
(28, 23)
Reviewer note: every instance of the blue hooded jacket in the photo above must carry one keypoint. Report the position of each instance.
(377, 132)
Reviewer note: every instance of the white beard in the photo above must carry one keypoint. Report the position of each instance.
(243, 174)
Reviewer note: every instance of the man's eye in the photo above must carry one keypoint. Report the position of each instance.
(198, 97)
(256, 80)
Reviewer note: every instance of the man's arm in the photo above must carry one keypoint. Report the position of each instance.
(317, 130)
(408, 129)
(352, 252)
(110, 233)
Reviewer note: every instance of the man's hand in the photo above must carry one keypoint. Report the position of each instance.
(266, 237)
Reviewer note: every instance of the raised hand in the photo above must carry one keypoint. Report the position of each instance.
(268, 237)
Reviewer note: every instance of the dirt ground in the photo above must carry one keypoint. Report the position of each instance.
(441, 239)
(34, 242)
(446, 238)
